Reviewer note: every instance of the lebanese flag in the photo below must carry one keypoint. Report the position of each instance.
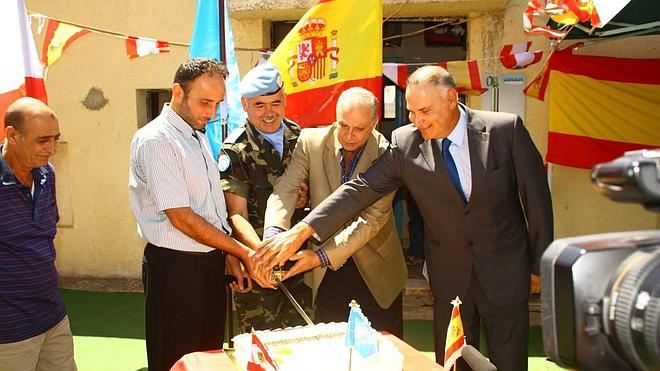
(21, 72)
(517, 56)
(397, 72)
(455, 340)
(336, 45)
(59, 37)
(260, 360)
(137, 47)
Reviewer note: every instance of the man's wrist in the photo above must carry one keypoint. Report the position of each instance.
(244, 252)
(272, 231)
(303, 231)
(323, 257)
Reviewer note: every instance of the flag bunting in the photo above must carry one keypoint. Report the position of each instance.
(21, 71)
(466, 74)
(517, 56)
(568, 13)
(137, 47)
(59, 36)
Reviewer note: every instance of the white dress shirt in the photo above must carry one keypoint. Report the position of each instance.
(171, 166)
(460, 152)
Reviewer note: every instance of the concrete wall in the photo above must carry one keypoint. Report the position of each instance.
(97, 235)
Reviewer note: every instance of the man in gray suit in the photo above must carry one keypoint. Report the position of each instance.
(482, 192)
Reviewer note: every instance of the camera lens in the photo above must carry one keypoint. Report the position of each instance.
(635, 311)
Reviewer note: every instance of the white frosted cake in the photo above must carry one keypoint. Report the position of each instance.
(318, 347)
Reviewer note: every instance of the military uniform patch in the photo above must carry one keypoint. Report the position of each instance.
(223, 162)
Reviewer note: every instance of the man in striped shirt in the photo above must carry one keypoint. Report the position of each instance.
(34, 327)
(175, 193)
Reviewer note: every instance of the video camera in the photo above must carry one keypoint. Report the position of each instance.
(601, 293)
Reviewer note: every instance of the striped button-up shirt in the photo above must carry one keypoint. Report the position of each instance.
(171, 166)
(30, 302)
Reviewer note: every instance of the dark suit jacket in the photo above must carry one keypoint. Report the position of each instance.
(501, 232)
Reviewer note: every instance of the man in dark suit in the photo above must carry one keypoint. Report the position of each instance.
(482, 192)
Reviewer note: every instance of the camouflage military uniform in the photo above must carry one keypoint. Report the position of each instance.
(254, 165)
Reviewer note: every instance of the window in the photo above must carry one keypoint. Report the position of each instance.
(150, 103)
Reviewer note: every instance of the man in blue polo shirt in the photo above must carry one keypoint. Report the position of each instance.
(34, 327)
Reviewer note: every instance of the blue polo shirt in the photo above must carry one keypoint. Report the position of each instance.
(30, 302)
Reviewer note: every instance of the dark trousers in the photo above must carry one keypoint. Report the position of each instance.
(337, 290)
(506, 329)
(185, 303)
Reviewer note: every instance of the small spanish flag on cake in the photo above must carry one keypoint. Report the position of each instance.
(455, 336)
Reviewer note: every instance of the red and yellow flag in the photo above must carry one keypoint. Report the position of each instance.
(59, 37)
(599, 107)
(466, 74)
(455, 336)
(336, 45)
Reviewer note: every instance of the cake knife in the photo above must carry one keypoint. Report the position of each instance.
(293, 301)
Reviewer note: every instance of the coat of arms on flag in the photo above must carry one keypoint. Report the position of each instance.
(336, 45)
(455, 336)
(313, 53)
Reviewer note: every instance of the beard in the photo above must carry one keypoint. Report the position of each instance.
(188, 115)
(185, 111)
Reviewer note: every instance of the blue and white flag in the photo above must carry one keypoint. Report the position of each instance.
(359, 334)
(205, 42)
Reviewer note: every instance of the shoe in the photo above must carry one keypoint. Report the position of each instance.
(413, 260)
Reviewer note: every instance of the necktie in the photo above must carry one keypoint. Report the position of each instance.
(451, 168)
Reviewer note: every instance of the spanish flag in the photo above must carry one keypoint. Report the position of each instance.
(455, 336)
(466, 74)
(599, 107)
(59, 37)
(336, 45)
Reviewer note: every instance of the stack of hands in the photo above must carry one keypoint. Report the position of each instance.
(273, 252)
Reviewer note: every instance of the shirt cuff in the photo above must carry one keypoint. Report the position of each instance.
(323, 257)
(272, 231)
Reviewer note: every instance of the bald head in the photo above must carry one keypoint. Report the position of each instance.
(20, 113)
(31, 135)
(435, 75)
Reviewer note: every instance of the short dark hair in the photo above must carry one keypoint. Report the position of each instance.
(15, 119)
(435, 75)
(21, 112)
(194, 68)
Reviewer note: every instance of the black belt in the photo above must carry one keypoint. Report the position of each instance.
(210, 253)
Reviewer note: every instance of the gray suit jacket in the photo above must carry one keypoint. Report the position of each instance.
(500, 233)
(370, 239)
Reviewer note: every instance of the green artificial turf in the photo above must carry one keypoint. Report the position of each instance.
(108, 333)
